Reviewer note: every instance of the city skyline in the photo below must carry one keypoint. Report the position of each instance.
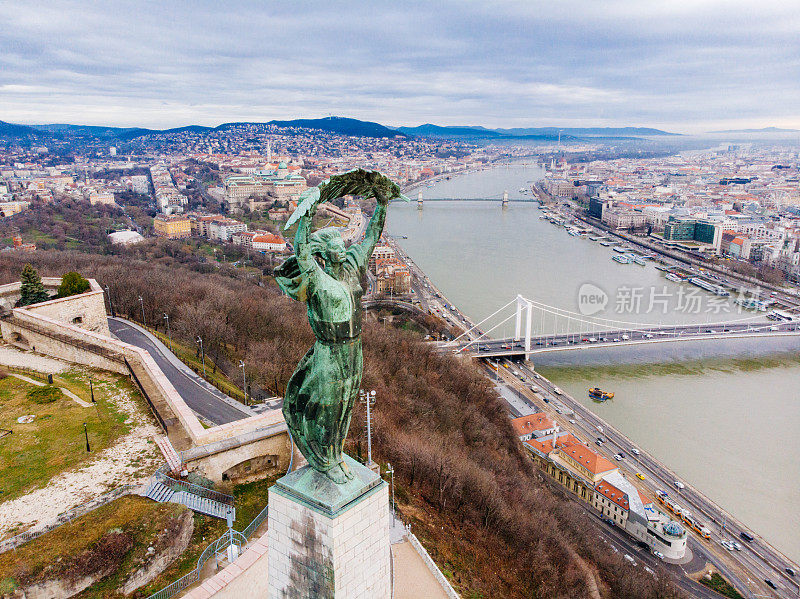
(682, 68)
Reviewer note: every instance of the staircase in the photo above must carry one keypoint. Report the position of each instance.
(158, 491)
(169, 453)
(162, 488)
(203, 505)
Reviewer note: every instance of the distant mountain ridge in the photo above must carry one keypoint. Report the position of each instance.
(762, 130)
(342, 126)
(566, 133)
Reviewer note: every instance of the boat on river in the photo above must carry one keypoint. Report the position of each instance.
(621, 259)
(597, 394)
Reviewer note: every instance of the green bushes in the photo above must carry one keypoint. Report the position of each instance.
(46, 394)
(72, 283)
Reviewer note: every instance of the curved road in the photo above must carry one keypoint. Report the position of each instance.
(202, 397)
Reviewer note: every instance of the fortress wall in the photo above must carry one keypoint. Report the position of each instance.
(44, 330)
(86, 310)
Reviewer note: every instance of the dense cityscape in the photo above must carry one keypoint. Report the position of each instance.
(395, 302)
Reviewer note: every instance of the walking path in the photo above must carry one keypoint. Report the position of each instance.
(131, 460)
(67, 392)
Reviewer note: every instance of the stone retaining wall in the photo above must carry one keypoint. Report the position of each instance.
(40, 327)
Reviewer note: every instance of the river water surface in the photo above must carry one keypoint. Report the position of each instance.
(723, 415)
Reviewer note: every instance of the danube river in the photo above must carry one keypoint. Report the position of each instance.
(725, 416)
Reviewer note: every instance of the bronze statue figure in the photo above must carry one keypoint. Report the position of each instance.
(327, 276)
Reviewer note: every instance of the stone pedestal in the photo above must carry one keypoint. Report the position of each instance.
(329, 541)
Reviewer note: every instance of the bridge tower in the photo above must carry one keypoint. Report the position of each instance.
(505, 199)
(419, 200)
(527, 305)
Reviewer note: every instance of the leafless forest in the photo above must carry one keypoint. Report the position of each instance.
(464, 482)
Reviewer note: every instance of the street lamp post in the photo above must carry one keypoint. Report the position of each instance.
(169, 335)
(368, 397)
(86, 434)
(141, 302)
(244, 380)
(110, 305)
(390, 471)
(203, 353)
(91, 390)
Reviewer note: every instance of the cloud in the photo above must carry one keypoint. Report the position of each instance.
(680, 64)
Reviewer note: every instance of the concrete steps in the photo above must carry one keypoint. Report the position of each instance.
(168, 451)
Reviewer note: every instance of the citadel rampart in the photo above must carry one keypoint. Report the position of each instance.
(75, 329)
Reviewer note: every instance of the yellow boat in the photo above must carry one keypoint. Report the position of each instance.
(597, 394)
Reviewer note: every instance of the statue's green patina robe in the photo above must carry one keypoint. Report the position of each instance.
(320, 394)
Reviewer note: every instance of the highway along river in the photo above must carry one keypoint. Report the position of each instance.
(724, 415)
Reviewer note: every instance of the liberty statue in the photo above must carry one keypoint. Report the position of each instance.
(327, 276)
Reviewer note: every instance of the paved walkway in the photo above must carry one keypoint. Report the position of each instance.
(412, 578)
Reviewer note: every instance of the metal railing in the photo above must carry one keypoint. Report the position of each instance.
(232, 537)
(68, 516)
(146, 395)
(204, 492)
(257, 521)
(213, 549)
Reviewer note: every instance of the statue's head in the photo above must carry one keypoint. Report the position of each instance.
(328, 245)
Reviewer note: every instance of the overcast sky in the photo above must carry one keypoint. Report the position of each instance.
(685, 66)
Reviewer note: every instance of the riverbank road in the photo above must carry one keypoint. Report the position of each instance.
(201, 396)
(747, 568)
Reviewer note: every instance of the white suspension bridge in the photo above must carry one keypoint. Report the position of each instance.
(540, 328)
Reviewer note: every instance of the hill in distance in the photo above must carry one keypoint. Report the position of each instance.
(340, 125)
(544, 133)
(762, 130)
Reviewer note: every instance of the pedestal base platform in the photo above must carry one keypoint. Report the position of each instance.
(329, 541)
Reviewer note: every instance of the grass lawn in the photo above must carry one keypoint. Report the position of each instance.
(721, 586)
(114, 536)
(54, 441)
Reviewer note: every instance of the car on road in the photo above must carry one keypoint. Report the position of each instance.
(616, 339)
(727, 544)
(649, 336)
(598, 443)
(628, 558)
(571, 421)
(640, 476)
(635, 451)
(770, 584)
(601, 439)
(621, 455)
(747, 536)
(790, 571)
(617, 457)
(658, 554)
(557, 391)
(600, 428)
(737, 546)
(609, 521)
(679, 484)
(625, 337)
